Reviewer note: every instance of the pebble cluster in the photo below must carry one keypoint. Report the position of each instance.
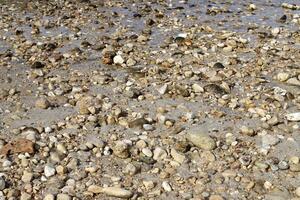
(149, 100)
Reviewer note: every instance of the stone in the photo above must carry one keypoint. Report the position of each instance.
(2, 183)
(216, 197)
(295, 167)
(247, 131)
(118, 60)
(63, 197)
(166, 186)
(49, 197)
(177, 156)
(142, 38)
(207, 156)
(282, 77)
(252, 6)
(293, 81)
(273, 121)
(6, 163)
(275, 31)
(61, 148)
(121, 149)
(283, 165)
(228, 49)
(27, 177)
(84, 104)
(111, 191)
(294, 117)
(201, 139)
(197, 88)
(49, 171)
(163, 89)
(137, 123)
(117, 192)
(277, 194)
(148, 127)
(130, 169)
(159, 154)
(25, 196)
(42, 103)
(229, 173)
(294, 160)
(130, 62)
(48, 129)
(148, 184)
(269, 140)
(95, 189)
(147, 152)
(297, 191)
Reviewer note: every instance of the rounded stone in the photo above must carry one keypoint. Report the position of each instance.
(49, 171)
(49, 197)
(118, 60)
(63, 197)
(201, 140)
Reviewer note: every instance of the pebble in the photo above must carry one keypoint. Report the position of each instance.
(118, 60)
(294, 160)
(49, 197)
(197, 88)
(177, 156)
(6, 163)
(95, 189)
(147, 152)
(269, 140)
(49, 171)
(275, 31)
(283, 165)
(130, 169)
(282, 76)
(252, 6)
(111, 191)
(25, 196)
(2, 183)
(61, 148)
(130, 62)
(148, 184)
(121, 149)
(247, 131)
(297, 191)
(48, 129)
(42, 103)
(293, 81)
(163, 89)
(148, 127)
(294, 117)
(85, 104)
(216, 197)
(159, 153)
(295, 167)
(166, 186)
(27, 177)
(63, 197)
(201, 139)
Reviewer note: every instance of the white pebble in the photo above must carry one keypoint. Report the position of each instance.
(49, 171)
(166, 186)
